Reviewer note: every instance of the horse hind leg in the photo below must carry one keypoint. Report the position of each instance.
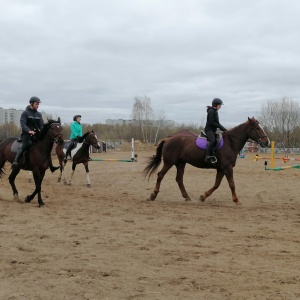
(179, 179)
(219, 177)
(160, 176)
(11, 180)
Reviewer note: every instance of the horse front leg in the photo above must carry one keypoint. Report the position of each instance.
(160, 176)
(11, 180)
(229, 176)
(88, 181)
(179, 179)
(38, 178)
(219, 177)
(72, 174)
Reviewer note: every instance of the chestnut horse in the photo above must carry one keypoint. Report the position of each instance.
(37, 157)
(181, 148)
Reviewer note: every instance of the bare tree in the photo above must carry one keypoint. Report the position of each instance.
(142, 112)
(281, 118)
(160, 122)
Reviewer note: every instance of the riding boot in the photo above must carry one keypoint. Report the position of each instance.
(52, 168)
(208, 156)
(68, 152)
(15, 163)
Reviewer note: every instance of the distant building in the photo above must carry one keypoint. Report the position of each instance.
(12, 116)
(134, 122)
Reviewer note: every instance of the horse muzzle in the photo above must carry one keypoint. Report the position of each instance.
(264, 142)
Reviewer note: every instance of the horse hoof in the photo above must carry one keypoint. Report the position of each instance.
(187, 199)
(152, 197)
(41, 204)
(27, 199)
(202, 198)
(16, 196)
(88, 185)
(59, 180)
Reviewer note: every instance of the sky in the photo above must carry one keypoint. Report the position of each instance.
(93, 57)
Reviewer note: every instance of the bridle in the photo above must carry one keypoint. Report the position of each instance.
(55, 137)
(89, 142)
(259, 139)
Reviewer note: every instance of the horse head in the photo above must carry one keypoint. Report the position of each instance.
(54, 129)
(90, 138)
(256, 133)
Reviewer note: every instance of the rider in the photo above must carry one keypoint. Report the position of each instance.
(76, 133)
(31, 121)
(212, 124)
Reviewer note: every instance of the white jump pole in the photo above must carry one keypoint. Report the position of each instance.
(132, 149)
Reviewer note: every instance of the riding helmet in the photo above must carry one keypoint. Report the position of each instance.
(34, 99)
(217, 102)
(75, 117)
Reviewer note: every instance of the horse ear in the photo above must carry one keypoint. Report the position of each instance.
(58, 119)
(93, 131)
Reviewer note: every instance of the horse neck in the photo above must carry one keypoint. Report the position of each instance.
(46, 144)
(85, 146)
(238, 137)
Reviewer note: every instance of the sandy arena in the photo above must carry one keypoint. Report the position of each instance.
(110, 242)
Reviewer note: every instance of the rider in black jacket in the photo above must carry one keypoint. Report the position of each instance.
(31, 121)
(212, 124)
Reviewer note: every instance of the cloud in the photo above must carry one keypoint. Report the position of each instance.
(94, 57)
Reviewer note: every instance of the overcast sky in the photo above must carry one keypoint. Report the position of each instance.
(92, 57)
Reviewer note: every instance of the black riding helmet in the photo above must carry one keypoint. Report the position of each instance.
(34, 99)
(76, 116)
(217, 102)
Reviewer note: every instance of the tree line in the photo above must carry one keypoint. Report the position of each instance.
(280, 119)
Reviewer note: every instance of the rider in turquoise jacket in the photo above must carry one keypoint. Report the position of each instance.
(76, 133)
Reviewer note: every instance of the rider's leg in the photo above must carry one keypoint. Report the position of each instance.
(24, 146)
(70, 147)
(211, 139)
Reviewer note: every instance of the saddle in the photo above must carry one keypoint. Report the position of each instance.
(201, 141)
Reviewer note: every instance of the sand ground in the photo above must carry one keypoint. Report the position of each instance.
(109, 242)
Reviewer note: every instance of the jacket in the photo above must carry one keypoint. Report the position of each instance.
(31, 119)
(76, 130)
(212, 122)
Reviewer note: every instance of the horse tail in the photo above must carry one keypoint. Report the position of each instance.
(154, 162)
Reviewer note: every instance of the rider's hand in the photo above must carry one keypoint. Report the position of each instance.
(32, 132)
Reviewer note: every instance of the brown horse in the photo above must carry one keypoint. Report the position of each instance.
(181, 148)
(82, 156)
(59, 150)
(37, 157)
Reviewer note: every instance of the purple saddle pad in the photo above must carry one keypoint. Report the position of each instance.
(202, 142)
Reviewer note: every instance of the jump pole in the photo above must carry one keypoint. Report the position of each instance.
(273, 159)
(272, 154)
(133, 156)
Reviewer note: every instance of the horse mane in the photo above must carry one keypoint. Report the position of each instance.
(81, 139)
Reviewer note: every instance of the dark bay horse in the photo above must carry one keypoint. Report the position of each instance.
(181, 148)
(82, 156)
(37, 157)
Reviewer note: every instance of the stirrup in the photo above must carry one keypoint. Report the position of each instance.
(212, 159)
